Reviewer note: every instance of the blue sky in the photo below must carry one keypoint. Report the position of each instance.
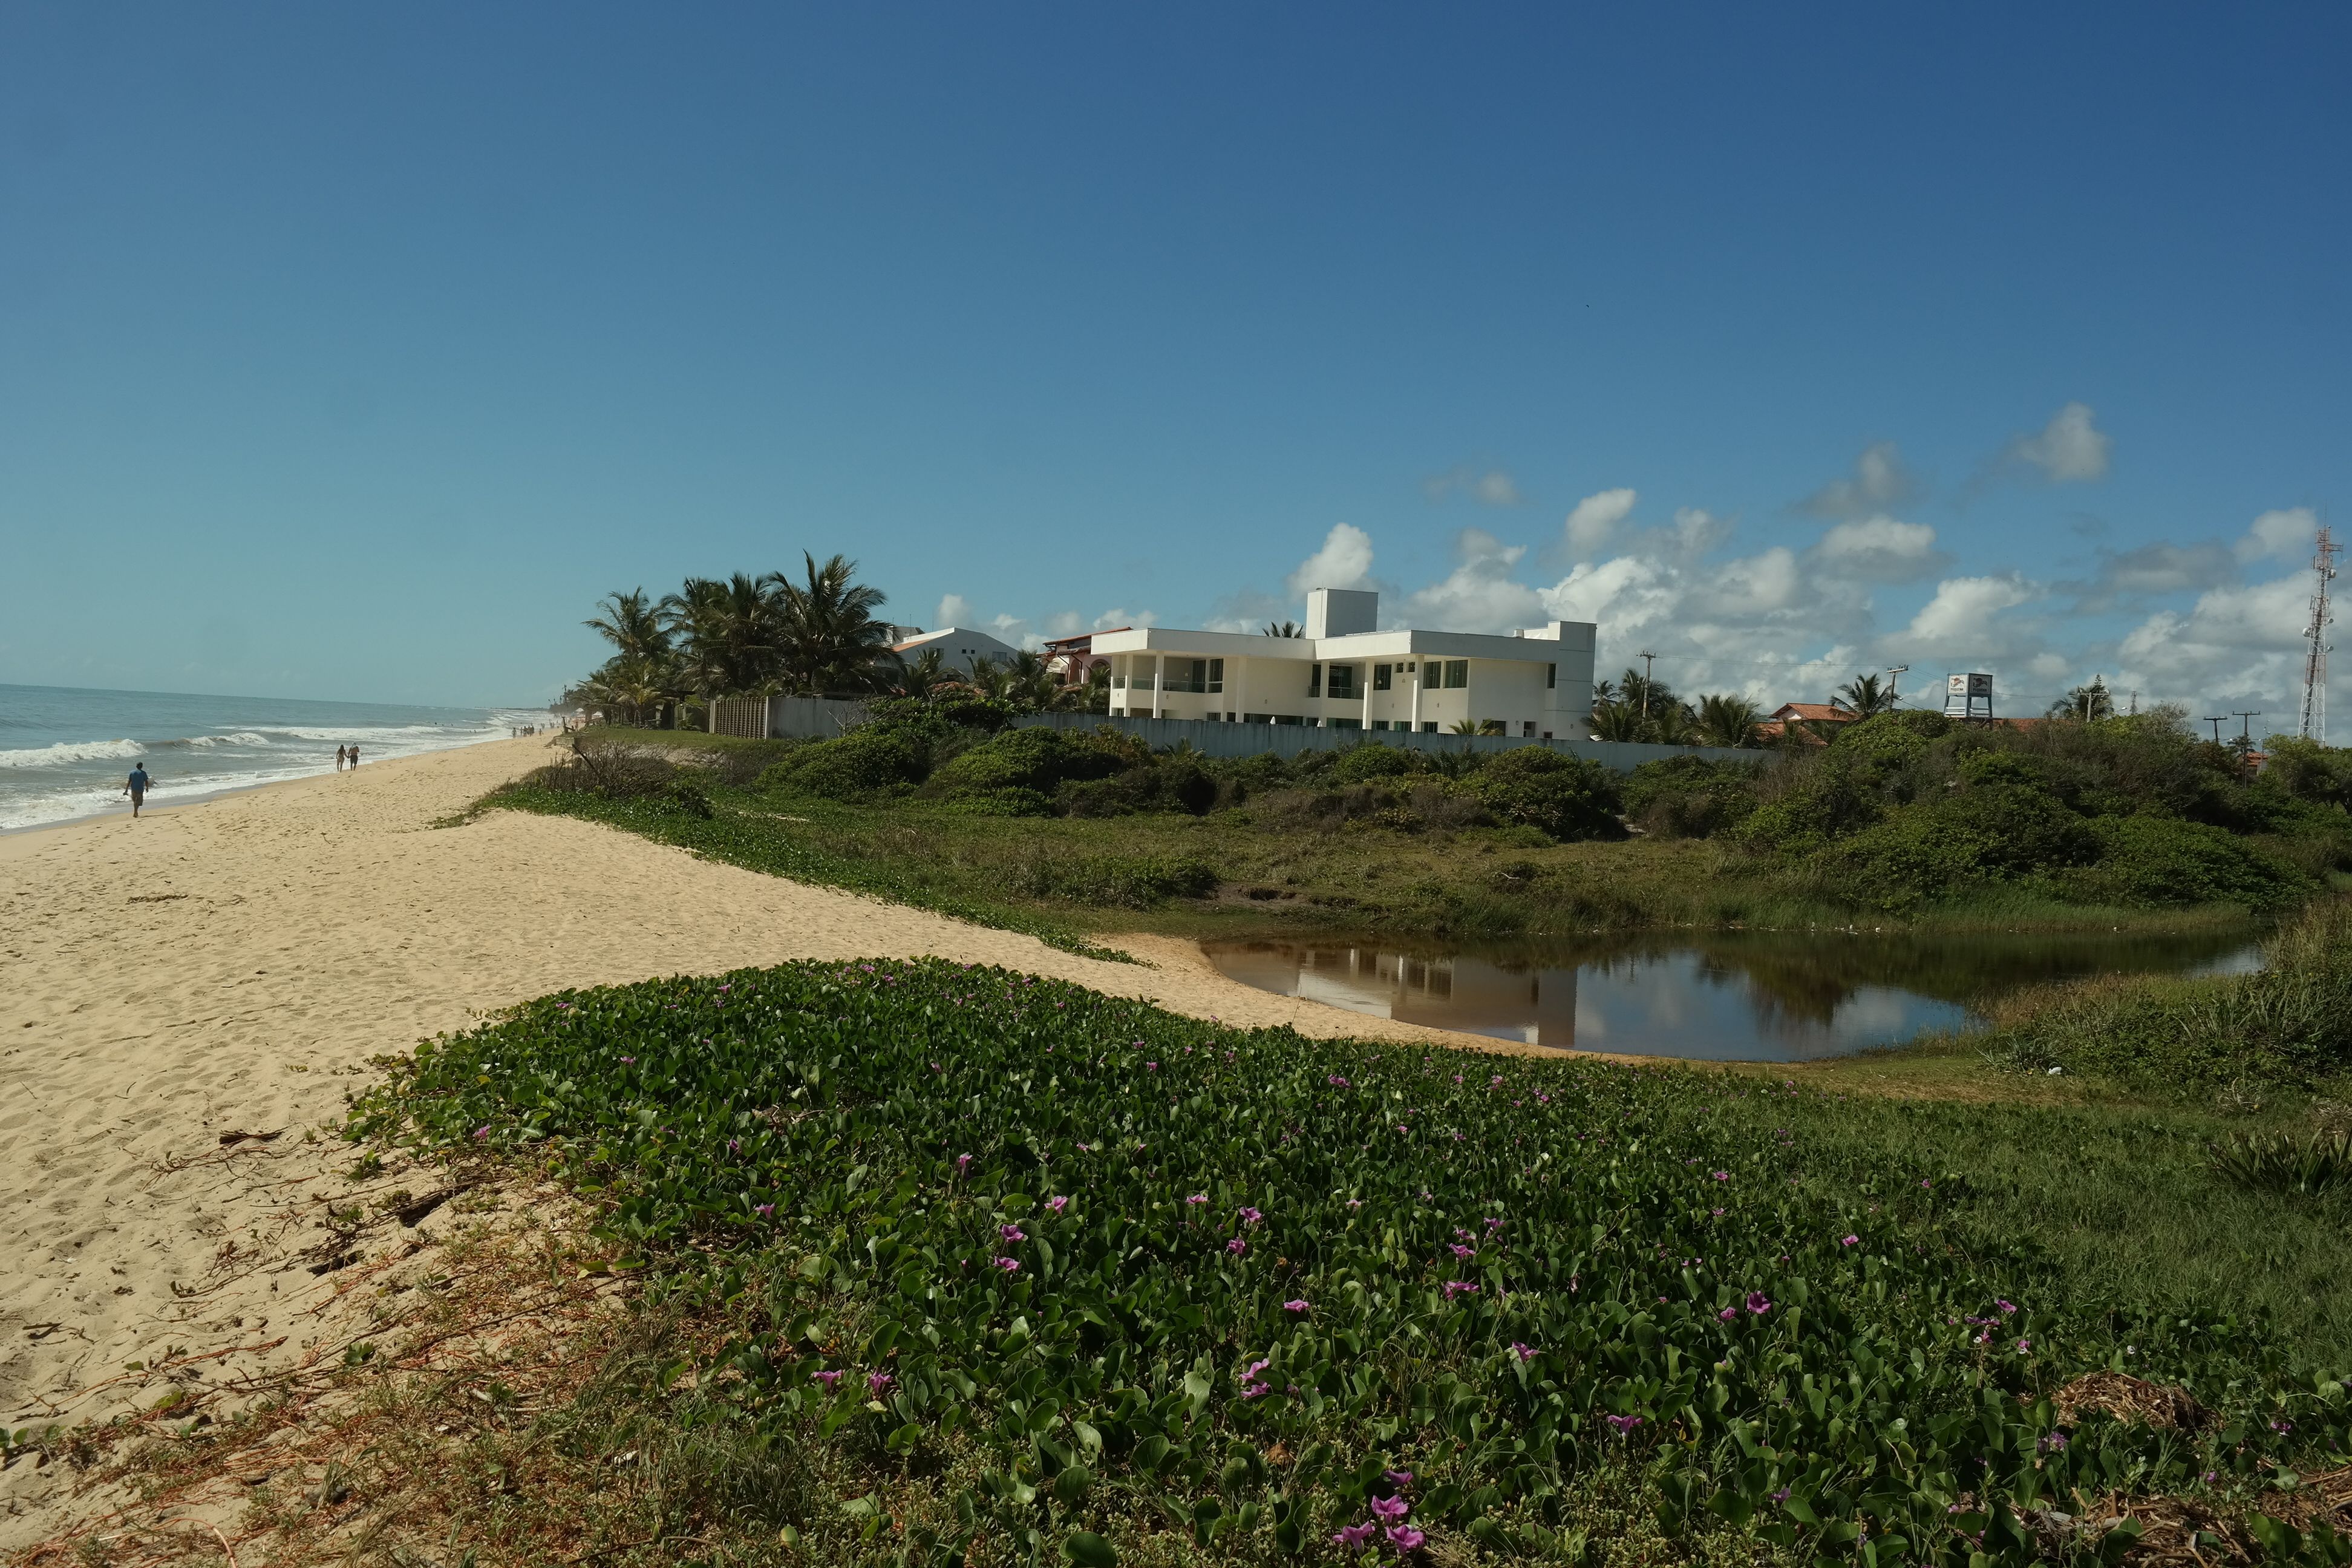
(353, 354)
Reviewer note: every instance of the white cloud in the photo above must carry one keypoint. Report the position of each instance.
(1479, 595)
(2070, 448)
(1962, 618)
(1595, 518)
(1111, 620)
(1880, 480)
(1879, 549)
(1344, 562)
(2236, 646)
(1066, 624)
(1016, 631)
(955, 610)
(1491, 487)
(2280, 534)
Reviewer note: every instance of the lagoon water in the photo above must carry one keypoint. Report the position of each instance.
(1762, 997)
(64, 751)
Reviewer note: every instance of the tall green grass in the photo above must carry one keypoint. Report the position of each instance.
(2288, 1027)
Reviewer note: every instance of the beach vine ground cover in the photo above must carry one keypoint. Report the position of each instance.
(1071, 1278)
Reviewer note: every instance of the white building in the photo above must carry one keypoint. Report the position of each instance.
(959, 646)
(1345, 675)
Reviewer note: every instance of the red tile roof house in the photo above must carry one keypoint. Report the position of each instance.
(1809, 717)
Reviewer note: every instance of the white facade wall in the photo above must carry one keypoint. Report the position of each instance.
(1537, 684)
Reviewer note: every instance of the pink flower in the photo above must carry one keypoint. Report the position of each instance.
(1249, 1216)
(2006, 1308)
(963, 1163)
(1197, 1199)
(1397, 1477)
(1057, 1204)
(1355, 1202)
(1010, 1265)
(763, 1210)
(1722, 1176)
(1624, 1424)
(2024, 1346)
(1758, 1303)
(1459, 1288)
(1493, 1225)
(1012, 1233)
(828, 1379)
(481, 1132)
(1356, 1537)
(876, 1381)
(1850, 1241)
(1404, 1537)
(1522, 1350)
(1298, 1306)
(1390, 1509)
(1336, 1081)
(1459, 1250)
(1729, 1314)
(1256, 1391)
(1237, 1247)
(1151, 1067)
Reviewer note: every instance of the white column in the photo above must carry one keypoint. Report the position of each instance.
(1158, 680)
(1367, 720)
(1417, 665)
(1234, 690)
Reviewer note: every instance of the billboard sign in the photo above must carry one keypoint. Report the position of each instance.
(1967, 696)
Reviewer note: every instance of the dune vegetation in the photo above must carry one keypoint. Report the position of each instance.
(951, 1265)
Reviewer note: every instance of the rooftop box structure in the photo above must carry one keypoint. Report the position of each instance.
(1347, 674)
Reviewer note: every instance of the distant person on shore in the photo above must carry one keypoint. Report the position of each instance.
(355, 756)
(135, 787)
(339, 759)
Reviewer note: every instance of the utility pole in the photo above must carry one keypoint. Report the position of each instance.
(1892, 672)
(1646, 656)
(2246, 717)
(2135, 707)
(2217, 727)
(2315, 636)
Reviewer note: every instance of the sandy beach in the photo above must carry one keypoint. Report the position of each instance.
(233, 966)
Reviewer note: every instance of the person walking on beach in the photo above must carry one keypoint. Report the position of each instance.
(339, 759)
(136, 786)
(355, 756)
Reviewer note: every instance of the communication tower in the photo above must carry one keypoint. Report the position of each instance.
(2315, 636)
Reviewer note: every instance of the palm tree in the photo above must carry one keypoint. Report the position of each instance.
(632, 622)
(1864, 696)
(922, 676)
(730, 635)
(2086, 703)
(829, 636)
(1463, 726)
(1619, 721)
(1727, 720)
(1283, 629)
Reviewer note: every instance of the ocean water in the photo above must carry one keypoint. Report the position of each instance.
(64, 751)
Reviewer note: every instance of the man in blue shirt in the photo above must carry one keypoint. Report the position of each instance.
(136, 786)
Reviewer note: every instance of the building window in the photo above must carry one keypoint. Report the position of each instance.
(1216, 675)
(1380, 723)
(1551, 676)
(1314, 680)
(1288, 719)
(1493, 727)
(1457, 673)
(1429, 726)
(1381, 675)
(1527, 727)
(1343, 681)
(1344, 723)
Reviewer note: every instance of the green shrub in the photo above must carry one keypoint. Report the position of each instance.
(1037, 761)
(2280, 1163)
(2158, 860)
(871, 760)
(1564, 797)
(1118, 881)
(1689, 798)
(1811, 807)
(1372, 761)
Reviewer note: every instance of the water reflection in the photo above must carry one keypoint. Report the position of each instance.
(1726, 998)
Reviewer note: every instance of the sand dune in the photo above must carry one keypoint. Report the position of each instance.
(233, 966)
